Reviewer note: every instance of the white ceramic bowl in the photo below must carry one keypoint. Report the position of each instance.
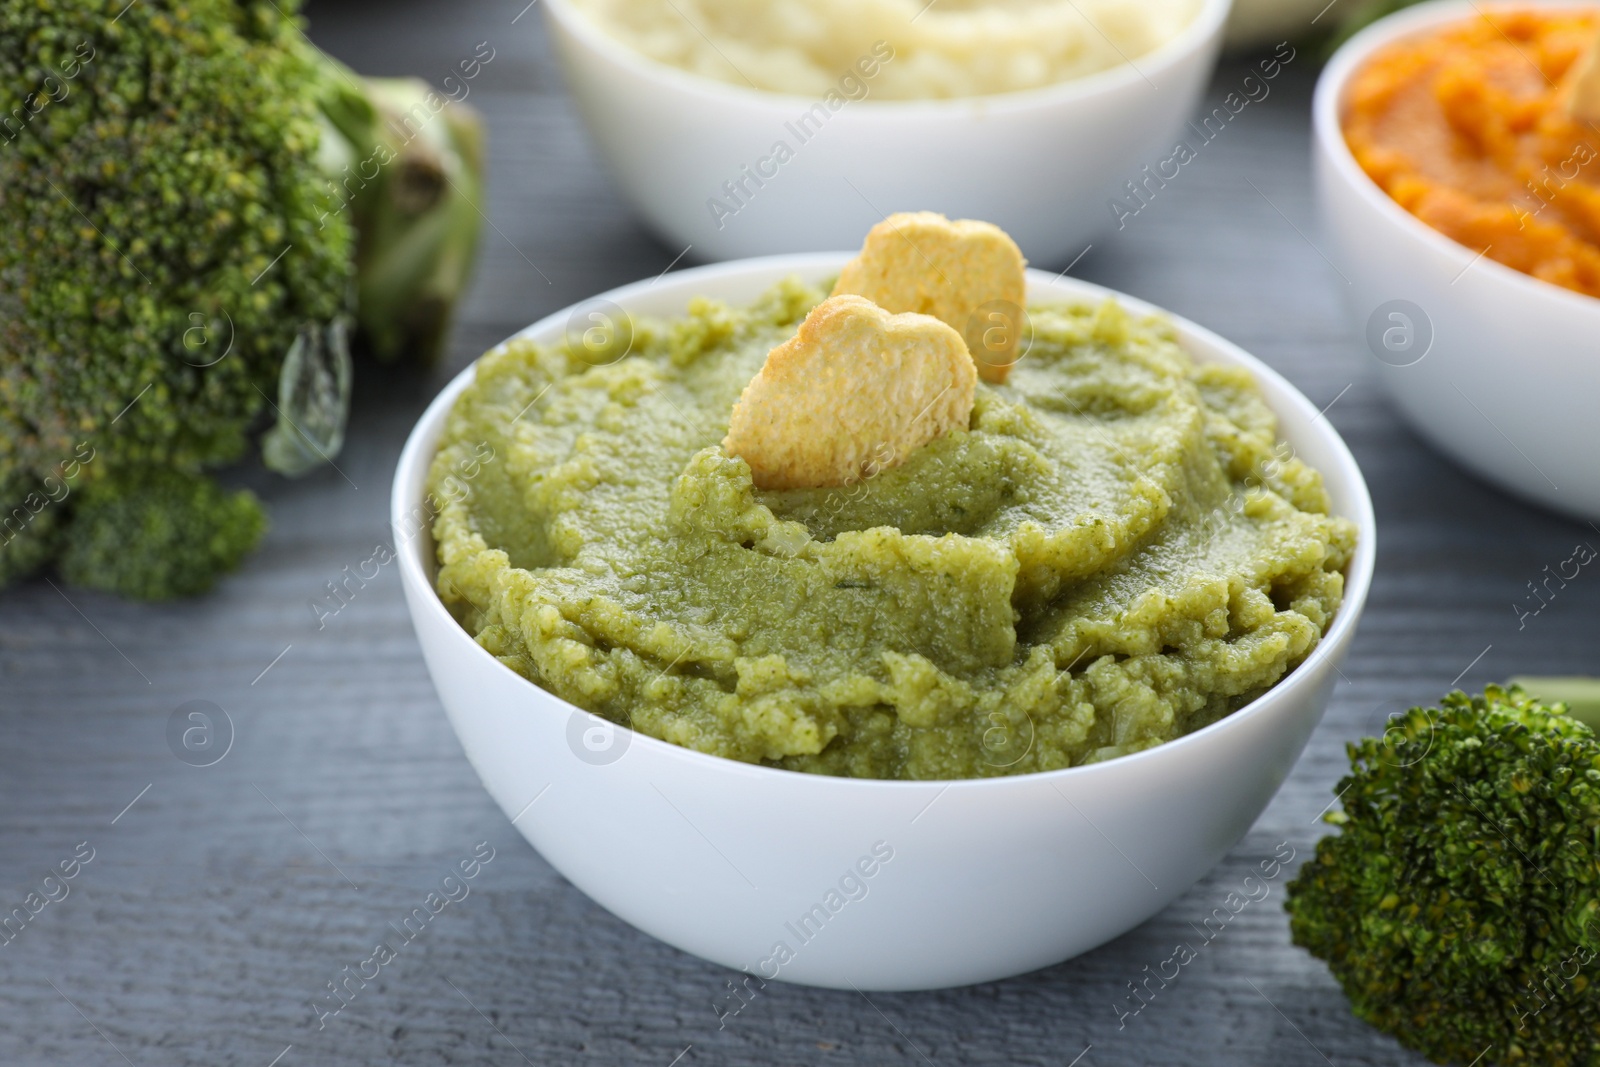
(1040, 164)
(1497, 369)
(988, 878)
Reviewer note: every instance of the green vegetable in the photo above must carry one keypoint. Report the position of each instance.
(1363, 15)
(190, 192)
(418, 218)
(1254, 24)
(1459, 906)
(1580, 695)
(155, 534)
(29, 536)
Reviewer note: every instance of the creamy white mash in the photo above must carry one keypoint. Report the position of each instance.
(947, 48)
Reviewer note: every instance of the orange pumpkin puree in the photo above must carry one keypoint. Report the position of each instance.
(1466, 130)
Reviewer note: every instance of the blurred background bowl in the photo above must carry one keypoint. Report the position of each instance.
(986, 878)
(1497, 369)
(1041, 164)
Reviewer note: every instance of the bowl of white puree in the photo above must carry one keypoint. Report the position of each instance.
(740, 129)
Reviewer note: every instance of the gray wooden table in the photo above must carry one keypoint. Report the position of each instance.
(221, 900)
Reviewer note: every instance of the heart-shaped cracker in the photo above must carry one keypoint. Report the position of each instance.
(966, 273)
(854, 392)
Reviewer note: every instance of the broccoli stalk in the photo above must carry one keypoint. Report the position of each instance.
(413, 179)
(1459, 906)
(193, 201)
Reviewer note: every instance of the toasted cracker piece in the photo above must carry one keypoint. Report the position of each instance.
(966, 273)
(854, 392)
(1582, 85)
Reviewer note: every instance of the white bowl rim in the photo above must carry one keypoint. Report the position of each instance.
(1205, 25)
(1327, 107)
(1358, 575)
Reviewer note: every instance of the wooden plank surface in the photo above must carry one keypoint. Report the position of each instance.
(218, 906)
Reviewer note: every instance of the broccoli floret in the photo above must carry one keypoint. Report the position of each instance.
(155, 533)
(1459, 905)
(183, 188)
(1580, 694)
(29, 531)
(169, 164)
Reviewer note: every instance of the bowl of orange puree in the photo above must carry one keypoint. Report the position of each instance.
(1457, 162)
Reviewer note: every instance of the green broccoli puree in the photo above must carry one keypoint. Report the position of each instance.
(1117, 552)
